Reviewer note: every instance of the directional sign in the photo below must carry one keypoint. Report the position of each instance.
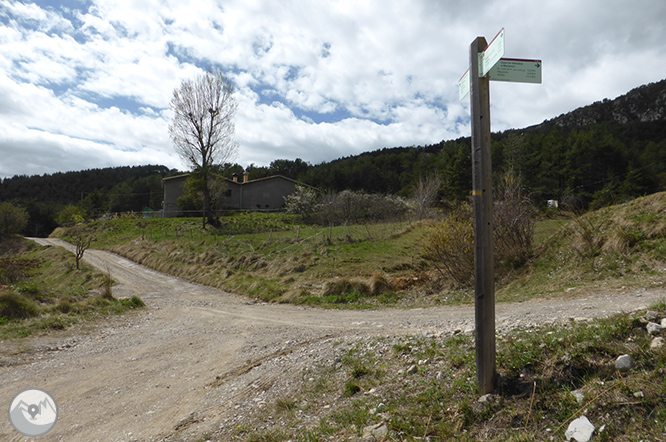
(492, 54)
(463, 85)
(516, 70)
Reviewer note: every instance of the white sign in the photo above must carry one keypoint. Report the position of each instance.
(516, 70)
(493, 53)
(463, 85)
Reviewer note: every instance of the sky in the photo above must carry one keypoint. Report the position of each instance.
(87, 83)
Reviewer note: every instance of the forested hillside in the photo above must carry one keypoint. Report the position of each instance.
(594, 156)
(117, 189)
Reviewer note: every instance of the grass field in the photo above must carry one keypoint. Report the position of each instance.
(281, 260)
(274, 257)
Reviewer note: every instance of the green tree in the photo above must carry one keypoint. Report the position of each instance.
(13, 219)
(70, 215)
(193, 192)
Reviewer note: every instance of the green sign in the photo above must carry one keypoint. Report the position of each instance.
(516, 70)
(493, 53)
(463, 85)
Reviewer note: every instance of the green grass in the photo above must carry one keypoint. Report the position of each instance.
(47, 292)
(539, 369)
(619, 246)
(281, 261)
(274, 257)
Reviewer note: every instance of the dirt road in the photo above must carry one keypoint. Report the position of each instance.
(197, 356)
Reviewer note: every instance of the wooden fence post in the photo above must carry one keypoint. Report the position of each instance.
(484, 274)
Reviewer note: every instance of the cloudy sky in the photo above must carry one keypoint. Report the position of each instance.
(87, 83)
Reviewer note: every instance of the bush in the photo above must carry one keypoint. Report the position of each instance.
(71, 215)
(303, 201)
(348, 207)
(450, 245)
(15, 306)
(513, 223)
(12, 219)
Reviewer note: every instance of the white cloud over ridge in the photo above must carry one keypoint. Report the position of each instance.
(87, 83)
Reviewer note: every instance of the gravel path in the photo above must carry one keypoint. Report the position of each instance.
(196, 359)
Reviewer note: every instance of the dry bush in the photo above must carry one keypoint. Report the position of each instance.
(379, 284)
(349, 207)
(450, 244)
(513, 224)
(345, 287)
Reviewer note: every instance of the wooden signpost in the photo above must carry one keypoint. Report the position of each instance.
(486, 64)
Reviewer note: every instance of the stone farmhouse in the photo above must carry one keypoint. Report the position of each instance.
(266, 194)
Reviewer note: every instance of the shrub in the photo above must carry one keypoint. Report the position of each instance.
(71, 215)
(513, 224)
(349, 207)
(16, 306)
(303, 201)
(450, 245)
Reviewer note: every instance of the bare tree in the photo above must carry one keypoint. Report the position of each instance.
(82, 244)
(202, 128)
(425, 194)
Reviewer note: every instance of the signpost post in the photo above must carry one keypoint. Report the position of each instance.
(486, 64)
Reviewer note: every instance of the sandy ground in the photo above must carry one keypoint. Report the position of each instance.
(198, 358)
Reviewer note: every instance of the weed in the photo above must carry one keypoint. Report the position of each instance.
(64, 306)
(17, 306)
(285, 404)
(107, 284)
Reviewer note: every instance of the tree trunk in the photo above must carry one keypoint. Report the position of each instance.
(206, 194)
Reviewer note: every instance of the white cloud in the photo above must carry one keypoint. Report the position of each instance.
(380, 73)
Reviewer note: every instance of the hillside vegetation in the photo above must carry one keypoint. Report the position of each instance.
(42, 291)
(272, 257)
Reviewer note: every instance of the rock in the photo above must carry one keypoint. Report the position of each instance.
(412, 370)
(653, 328)
(485, 398)
(657, 343)
(579, 395)
(580, 430)
(651, 316)
(663, 323)
(375, 432)
(624, 363)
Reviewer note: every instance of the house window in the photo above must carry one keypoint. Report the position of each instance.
(227, 193)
